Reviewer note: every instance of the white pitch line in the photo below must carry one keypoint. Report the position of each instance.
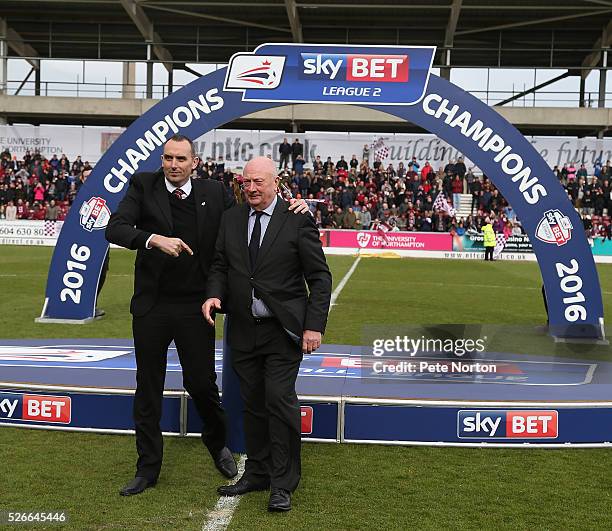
(343, 282)
(220, 516)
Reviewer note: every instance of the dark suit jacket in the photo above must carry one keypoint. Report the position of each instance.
(290, 257)
(145, 210)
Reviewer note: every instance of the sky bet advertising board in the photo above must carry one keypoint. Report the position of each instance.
(394, 79)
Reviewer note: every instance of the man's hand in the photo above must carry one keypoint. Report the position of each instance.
(311, 341)
(208, 309)
(298, 206)
(171, 246)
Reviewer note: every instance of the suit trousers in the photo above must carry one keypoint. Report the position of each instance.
(284, 160)
(195, 345)
(272, 421)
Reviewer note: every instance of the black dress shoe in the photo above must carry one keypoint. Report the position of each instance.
(242, 486)
(136, 486)
(280, 501)
(225, 463)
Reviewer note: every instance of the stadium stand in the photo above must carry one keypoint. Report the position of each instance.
(344, 195)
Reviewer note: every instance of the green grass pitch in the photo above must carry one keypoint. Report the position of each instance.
(343, 486)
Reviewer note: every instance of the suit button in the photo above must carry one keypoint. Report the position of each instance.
(252, 278)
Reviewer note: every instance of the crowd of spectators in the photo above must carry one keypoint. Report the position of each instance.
(38, 188)
(359, 193)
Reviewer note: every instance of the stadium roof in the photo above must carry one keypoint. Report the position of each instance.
(566, 34)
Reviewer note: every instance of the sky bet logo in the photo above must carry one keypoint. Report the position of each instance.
(40, 408)
(490, 424)
(351, 67)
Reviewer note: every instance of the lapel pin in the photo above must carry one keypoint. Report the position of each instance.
(203, 203)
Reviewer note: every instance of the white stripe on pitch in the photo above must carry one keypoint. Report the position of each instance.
(343, 282)
(220, 516)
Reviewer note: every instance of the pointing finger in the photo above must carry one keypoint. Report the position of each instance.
(186, 247)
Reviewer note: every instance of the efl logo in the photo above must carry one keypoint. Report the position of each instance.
(94, 214)
(351, 67)
(554, 227)
(490, 424)
(307, 417)
(40, 408)
(254, 72)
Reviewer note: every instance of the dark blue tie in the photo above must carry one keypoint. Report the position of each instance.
(255, 237)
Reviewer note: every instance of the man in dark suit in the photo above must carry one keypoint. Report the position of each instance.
(172, 221)
(297, 149)
(284, 150)
(264, 260)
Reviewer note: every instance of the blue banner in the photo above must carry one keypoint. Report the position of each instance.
(474, 241)
(455, 425)
(375, 75)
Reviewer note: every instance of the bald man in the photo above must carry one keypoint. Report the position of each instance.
(264, 261)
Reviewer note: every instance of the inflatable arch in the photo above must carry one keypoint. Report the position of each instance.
(395, 80)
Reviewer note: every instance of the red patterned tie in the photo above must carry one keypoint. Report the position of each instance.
(179, 193)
